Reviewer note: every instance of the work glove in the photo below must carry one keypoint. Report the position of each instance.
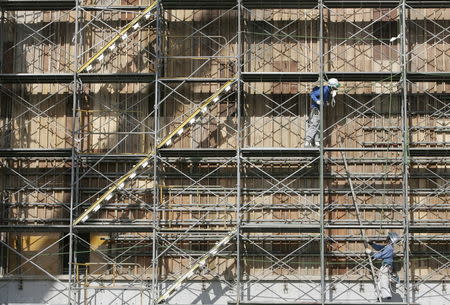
(368, 251)
(318, 102)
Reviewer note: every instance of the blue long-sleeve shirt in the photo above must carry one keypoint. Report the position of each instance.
(315, 96)
(386, 253)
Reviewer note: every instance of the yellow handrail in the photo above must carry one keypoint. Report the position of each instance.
(144, 162)
(115, 38)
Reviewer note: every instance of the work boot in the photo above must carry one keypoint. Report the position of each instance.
(308, 144)
(317, 144)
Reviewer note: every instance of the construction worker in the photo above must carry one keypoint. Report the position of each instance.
(329, 91)
(386, 253)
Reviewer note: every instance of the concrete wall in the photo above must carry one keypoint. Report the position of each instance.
(47, 292)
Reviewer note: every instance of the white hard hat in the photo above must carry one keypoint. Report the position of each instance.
(333, 83)
(393, 237)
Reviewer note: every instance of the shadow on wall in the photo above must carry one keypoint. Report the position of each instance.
(211, 292)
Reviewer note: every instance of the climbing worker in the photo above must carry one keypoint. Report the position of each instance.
(386, 253)
(330, 90)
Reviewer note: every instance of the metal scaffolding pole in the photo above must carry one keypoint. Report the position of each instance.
(74, 158)
(363, 235)
(239, 67)
(3, 198)
(405, 148)
(323, 283)
(179, 175)
(2, 21)
(156, 202)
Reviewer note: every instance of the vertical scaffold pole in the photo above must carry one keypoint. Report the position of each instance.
(321, 161)
(155, 219)
(74, 159)
(405, 150)
(238, 151)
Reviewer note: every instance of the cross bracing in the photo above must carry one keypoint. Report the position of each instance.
(240, 174)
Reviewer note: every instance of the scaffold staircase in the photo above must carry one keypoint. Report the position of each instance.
(200, 263)
(122, 35)
(166, 142)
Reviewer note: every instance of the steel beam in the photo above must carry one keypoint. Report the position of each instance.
(298, 4)
(78, 229)
(279, 227)
(37, 5)
(67, 78)
(430, 152)
(435, 228)
(62, 78)
(35, 152)
(344, 76)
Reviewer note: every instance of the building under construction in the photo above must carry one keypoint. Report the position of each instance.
(152, 152)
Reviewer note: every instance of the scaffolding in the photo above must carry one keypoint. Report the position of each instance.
(152, 151)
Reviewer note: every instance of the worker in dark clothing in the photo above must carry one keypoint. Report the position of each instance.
(329, 91)
(386, 253)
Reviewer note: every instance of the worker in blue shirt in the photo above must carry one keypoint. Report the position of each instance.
(312, 134)
(385, 253)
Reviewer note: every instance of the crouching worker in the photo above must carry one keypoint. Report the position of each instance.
(386, 253)
(329, 91)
